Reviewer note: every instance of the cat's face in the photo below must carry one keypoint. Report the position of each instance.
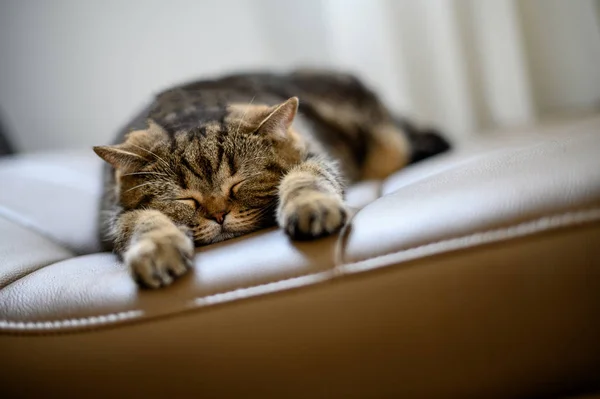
(219, 179)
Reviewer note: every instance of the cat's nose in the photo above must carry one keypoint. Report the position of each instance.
(219, 217)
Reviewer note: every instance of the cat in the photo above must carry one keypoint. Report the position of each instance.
(216, 159)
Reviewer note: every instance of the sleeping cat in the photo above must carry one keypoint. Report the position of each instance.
(216, 159)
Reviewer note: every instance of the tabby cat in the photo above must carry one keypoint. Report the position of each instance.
(215, 159)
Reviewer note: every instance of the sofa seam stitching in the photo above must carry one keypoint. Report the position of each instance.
(95, 320)
(505, 229)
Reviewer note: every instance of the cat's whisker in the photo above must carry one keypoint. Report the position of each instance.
(266, 212)
(152, 153)
(138, 186)
(244, 114)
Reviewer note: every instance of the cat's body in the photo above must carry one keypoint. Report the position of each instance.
(217, 159)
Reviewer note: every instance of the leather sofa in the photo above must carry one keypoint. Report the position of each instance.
(473, 274)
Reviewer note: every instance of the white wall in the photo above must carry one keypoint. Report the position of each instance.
(559, 46)
(72, 71)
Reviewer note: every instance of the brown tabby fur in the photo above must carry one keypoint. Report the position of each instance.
(216, 159)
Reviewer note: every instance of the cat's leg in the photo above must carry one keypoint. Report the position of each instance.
(387, 152)
(311, 201)
(152, 246)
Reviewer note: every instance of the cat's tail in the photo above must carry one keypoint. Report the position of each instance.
(424, 143)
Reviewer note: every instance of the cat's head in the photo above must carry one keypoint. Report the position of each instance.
(220, 178)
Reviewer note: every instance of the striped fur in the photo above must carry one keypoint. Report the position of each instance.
(212, 160)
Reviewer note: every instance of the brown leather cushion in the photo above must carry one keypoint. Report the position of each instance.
(475, 273)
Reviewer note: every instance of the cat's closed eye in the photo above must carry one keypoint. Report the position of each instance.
(191, 202)
(234, 189)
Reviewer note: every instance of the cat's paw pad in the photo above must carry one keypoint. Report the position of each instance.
(313, 215)
(159, 257)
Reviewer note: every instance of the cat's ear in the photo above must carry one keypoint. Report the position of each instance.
(135, 152)
(280, 118)
(122, 157)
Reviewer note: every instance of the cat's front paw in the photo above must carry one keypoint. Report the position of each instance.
(159, 257)
(313, 215)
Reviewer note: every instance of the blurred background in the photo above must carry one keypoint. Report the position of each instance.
(72, 72)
